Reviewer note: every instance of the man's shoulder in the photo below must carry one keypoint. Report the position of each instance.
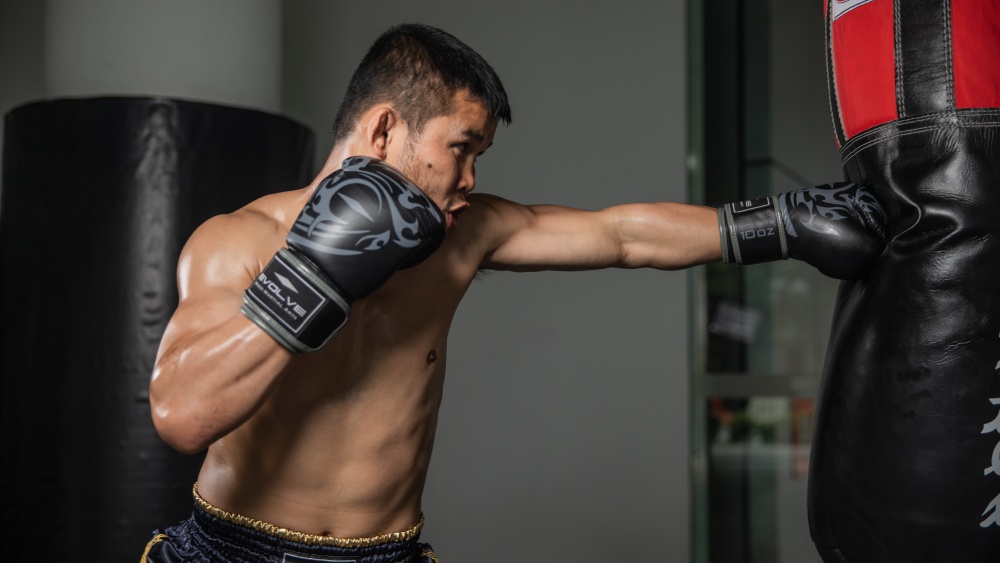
(242, 226)
(492, 207)
(490, 200)
(266, 217)
(250, 233)
(490, 222)
(495, 212)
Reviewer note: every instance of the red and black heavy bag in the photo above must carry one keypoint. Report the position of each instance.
(906, 459)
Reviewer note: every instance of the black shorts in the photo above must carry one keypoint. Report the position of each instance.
(213, 535)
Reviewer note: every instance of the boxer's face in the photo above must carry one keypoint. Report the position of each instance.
(441, 159)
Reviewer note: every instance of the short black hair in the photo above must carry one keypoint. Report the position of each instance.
(419, 69)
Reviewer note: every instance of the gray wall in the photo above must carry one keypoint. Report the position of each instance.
(22, 65)
(564, 431)
(220, 50)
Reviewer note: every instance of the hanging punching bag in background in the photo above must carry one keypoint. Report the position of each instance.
(906, 455)
(99, 195)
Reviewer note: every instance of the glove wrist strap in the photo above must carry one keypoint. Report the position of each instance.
(295, 304)
(752, 232)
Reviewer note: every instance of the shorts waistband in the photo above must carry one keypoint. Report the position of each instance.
(301, 537)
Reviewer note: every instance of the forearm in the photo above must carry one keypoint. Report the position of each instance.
(666, 236)
(208, 384)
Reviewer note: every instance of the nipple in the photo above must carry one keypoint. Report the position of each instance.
(432, 357)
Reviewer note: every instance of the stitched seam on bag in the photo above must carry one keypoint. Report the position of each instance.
(878, 130)
(949, 64)
(855, 152)
(898, 45)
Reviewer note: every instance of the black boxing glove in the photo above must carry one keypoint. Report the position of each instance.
(839, 229)
(363, 222)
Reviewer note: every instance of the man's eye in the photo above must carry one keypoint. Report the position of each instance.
(462, 147)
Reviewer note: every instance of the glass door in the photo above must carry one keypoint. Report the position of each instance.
(759, 124)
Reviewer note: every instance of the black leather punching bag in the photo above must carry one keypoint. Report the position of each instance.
(99, 195)
(906, 458)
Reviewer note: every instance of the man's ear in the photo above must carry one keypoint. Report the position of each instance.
(382, 127)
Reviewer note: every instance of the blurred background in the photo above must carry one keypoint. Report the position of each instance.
(588, 416)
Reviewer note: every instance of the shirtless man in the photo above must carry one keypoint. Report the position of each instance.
(323, 454)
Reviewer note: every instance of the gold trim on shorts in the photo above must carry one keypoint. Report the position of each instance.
(156, 539)
(300, 537)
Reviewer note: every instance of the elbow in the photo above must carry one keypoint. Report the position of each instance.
(177, 431)
(177, 425)
(174, 433)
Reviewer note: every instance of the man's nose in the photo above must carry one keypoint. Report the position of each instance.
(467, 182)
